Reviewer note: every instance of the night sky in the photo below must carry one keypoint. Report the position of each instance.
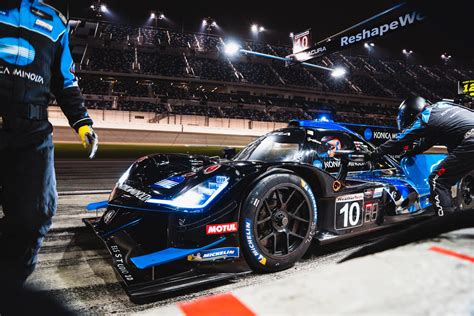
(449, 28)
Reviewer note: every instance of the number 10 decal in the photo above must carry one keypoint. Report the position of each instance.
(348, 211)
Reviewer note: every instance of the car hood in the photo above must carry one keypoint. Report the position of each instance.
(163, 177)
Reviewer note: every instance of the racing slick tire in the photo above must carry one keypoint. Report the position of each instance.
(278, 218)
(465, 193)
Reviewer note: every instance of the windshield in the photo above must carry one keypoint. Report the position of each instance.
(283, 145)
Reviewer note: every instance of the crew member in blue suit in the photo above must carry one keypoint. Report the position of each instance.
(442, 123)
(35, 60)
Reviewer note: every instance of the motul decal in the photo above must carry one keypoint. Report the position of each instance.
(222, 228)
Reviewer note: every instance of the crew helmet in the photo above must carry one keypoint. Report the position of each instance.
(409, 111)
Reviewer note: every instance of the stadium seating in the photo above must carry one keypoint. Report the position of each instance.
(150, 63)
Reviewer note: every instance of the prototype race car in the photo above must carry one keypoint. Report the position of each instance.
(176, 221)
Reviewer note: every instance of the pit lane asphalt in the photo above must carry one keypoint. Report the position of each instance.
(74, 267)
(88, 175)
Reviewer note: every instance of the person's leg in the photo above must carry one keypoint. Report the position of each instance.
(447, 174)
(29, 203)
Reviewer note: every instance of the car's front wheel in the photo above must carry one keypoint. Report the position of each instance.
(278, 220)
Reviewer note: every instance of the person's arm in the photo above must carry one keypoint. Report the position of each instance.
(405, 138)
(422, 146)
(64, 86)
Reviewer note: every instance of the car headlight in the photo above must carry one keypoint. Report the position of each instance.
(197, 197)
(124, 176)
(121, 181)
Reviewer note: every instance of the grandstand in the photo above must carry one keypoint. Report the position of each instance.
(171, 74)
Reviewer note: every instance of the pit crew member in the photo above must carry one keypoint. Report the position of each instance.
(442, 123)
(35, 60)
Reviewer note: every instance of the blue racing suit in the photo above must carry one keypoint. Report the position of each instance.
(35, 60)
(443, 123)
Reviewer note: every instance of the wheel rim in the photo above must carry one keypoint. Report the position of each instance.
(282, 221)
(467, 191)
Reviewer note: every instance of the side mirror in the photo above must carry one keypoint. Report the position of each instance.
(229, 152)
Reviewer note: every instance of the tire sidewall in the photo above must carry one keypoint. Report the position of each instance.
(459, 196)
(253, 254)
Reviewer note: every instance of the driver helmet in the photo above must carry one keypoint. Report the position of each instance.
(334, 143)
(409, 111)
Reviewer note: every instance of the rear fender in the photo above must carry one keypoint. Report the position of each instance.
(417, 169)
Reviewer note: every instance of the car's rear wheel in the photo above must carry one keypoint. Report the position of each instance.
(278, 221)
(465, 193)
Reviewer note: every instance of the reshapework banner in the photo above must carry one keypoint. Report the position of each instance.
(394, 19)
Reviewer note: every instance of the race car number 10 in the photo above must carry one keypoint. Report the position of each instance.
(348, 211)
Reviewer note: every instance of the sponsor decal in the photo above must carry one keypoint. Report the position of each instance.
(384, 135)
(368, 193)
(318, 164)
(312, 198)
(317, 51)
(251, 243)
(3, 12)
(329, 164)
(16, 51)
(170, 182)
(281, 134)
(22, 74)
(348, 211)
(368, 134)
(350, 197)
(469, 133)
(41, 14)
(211, 169)
(378, 193)
(215, 254)
(447, 111)
(119, 262)
(312, 140)
(438, 205)
(109, 215)
(44, 25)
(142, 196)
(400, 22)
(189, 174)
(222, 228)
(315, 208)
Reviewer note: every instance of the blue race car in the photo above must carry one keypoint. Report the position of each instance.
(178, 221)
